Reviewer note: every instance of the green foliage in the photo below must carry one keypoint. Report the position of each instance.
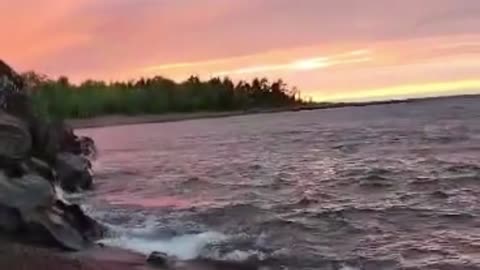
(157, 95)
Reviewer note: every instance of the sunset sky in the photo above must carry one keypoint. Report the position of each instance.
(331, 50)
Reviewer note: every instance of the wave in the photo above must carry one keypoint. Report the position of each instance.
(184, 247)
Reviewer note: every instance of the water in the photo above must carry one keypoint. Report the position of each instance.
(380, 187)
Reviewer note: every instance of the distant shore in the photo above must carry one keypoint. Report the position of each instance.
(121, 120)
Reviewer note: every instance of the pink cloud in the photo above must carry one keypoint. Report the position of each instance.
(116, 38)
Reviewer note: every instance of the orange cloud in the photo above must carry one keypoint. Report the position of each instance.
(122, 39)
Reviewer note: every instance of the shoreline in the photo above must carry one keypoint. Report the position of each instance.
(14, 255)
(123, 120)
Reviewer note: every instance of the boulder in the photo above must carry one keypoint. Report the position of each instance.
(52, 138)
(10, 220)
(15, 139)
(10, 83)
(87, 226)
(25, 193)
(73, 172)
(31, 211)
(159, 259)
(47, 139)
(40, 167)
(87, 147)
(33, 152)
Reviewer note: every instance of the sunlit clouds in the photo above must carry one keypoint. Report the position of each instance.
(303, 64)
(330, 50)
(259, 65)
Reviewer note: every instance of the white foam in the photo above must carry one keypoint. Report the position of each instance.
(239, 255)
(60, 193)
(184, 247)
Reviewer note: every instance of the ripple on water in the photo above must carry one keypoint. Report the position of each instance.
(374, 188)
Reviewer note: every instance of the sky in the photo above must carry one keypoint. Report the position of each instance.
(342, 50)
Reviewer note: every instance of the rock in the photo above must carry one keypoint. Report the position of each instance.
(64, 226)
(52, 138)
(159, 259)
(31, 209)
(87, 147)
(10, 83)
(74, 214)
(10, 219)
(26, 203)
(48, 139)
(15, 138)
(73, 172)
(19, 104)
(26, 193)
(40, 167)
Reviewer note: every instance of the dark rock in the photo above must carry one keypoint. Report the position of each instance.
(19, 104)
(74, 214)
(30, 208)
(15, 138)
(37, 166)
(49, 139)
(73, 172)
(10, 83)
(87, 146)
(159, 259)
(10, 219)
(26, 193)
(67, 140)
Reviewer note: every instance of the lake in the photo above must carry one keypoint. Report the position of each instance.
(379, 187)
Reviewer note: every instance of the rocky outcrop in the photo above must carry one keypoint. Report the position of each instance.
(37, 156)
(73, 172)
(159, 259)
(15, 139)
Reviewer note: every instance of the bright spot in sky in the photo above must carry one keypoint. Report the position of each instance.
(309, 64)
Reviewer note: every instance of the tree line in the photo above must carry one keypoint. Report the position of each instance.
(157, 95)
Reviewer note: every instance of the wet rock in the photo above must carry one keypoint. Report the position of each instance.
(87, 147)
(32, 153)
(74, 214)
(159, 259)
(73, 172)
(29, 205)
(27, 208)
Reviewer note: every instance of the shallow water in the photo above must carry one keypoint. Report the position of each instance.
(379, 187)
